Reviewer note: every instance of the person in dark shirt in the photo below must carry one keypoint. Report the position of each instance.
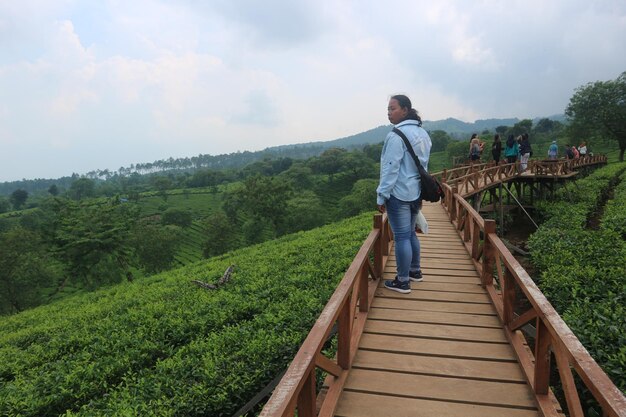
(496, 148)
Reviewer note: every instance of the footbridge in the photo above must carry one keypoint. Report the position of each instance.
(476, 338)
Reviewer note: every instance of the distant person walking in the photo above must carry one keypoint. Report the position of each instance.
(553, 150)
(525, 151)
(569, 153)
(398, 192)
(496, 148)
(511, 150)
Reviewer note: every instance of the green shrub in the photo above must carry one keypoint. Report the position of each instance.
(177, 217)
(583, 272)
(614, 217)
(162, 346)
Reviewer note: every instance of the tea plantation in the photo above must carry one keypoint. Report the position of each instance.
(583, 266)
(161, 346)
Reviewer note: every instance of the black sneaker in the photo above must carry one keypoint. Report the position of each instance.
(416, 276)
(399, 286)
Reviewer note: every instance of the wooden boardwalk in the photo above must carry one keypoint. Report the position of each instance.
(457, 344)
(440, 350)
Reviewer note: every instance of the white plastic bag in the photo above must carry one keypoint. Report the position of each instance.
(421, 225)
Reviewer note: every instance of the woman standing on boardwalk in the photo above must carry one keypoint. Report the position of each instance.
(398, 192)
(582, 149)
(525, 151)
(511, 150)
(496, 148)
(553, 150)
(476, 148)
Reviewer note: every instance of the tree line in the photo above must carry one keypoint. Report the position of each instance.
(92, 233)
(73, 239)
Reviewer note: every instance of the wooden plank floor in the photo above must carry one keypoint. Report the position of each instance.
(440, 350)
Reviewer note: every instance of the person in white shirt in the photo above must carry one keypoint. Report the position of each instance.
(398, 192)
(582, 149)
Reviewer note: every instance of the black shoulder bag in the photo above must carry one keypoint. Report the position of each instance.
(431, 189)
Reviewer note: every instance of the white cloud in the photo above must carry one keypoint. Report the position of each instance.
(109, 83)
(470, 52)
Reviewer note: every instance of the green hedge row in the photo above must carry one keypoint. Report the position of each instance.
(583, 271)
(163, 346)
(614, 217)
(577, 201)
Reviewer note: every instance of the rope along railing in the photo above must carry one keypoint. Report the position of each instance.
(516, 298)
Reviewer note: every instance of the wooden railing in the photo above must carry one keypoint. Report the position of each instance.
(515, 296)
(347, 309)
(471, 179)
(518, 301)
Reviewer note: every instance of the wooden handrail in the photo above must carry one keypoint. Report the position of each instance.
(349, 305)
(471, 179)
(553, 335)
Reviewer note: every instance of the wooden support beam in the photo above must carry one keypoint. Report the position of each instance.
(378, 246)
(523, 319)
(489, 255)
(508, 297)
(363, 289)
(567, 381)
(327, 365)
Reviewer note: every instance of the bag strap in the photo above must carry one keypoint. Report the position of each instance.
(408, 146)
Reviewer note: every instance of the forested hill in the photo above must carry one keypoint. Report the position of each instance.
(454, 127)
(236, 160)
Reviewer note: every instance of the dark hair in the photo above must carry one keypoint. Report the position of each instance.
(510, 141)
(525, 137)
(405, 103)
(496, 137)
(474, 135)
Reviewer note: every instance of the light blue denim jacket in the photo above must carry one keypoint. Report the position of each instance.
(398, 174)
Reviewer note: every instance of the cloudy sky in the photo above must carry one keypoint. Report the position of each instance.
(98, 84)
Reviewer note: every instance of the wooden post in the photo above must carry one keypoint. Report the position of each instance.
(388, 238)
(501, 210)
(508, 297)
(478, 201)
(542, 359)
(452, 205)
(363, 289)
(344, 333)
(475, 237)
(306, 397)
(467, 224)
(489, 255)
(567, 382)
(378, 246)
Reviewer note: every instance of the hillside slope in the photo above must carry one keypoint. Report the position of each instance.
(163, 346)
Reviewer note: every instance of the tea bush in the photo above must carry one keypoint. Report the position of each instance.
(614, 217)
(162, 346)
(582, 271)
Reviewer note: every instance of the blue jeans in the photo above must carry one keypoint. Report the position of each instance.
(402, 216)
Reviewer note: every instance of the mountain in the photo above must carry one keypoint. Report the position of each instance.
(456, 128)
